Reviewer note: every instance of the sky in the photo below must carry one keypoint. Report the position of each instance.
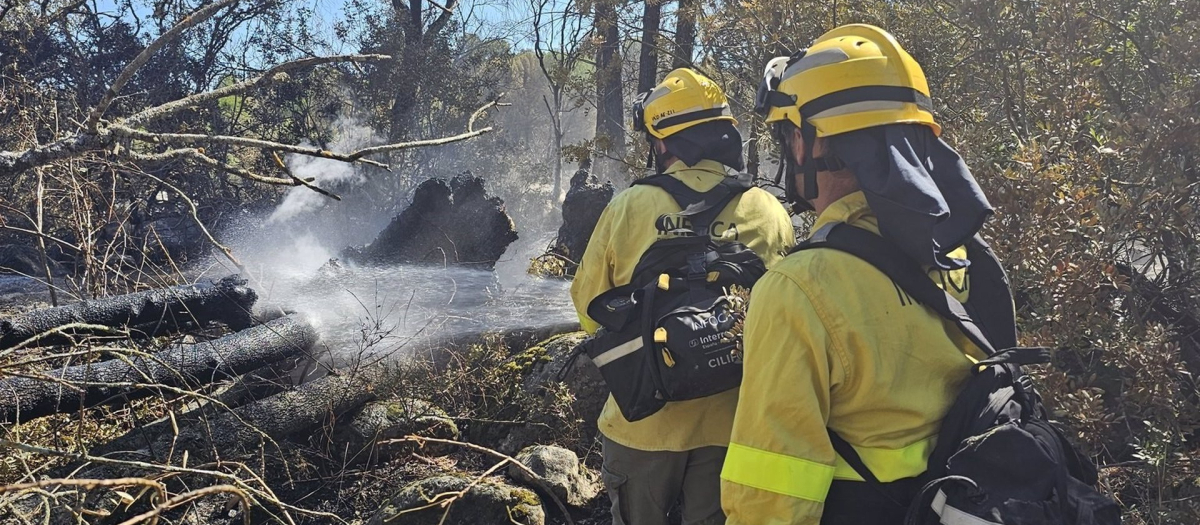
(491, 17)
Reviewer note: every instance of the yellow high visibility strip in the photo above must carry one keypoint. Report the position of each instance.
(889, 464)
(779, 473)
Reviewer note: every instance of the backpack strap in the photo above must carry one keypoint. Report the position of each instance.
(908, 274)
(901, 269)
(701, 209)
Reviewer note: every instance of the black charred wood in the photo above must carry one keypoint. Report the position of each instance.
(581, 209)
(148, 313)
(183, 366)
(303, 408)
(446, 224)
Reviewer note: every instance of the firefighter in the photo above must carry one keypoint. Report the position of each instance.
(834, 350)
(676, 453)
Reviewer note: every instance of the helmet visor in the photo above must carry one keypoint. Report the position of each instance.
(764, 99)
(639, 111)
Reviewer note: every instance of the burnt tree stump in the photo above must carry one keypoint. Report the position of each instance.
(447, 224)
(581, 210)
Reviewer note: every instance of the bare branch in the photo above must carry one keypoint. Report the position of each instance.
(12, 162)
(194, 495)
(471, 133)
(269, 76)
(197, 138)
(307, 183)
(189, 21)
(440, 22)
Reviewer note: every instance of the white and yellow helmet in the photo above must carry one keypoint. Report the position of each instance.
(853, 77)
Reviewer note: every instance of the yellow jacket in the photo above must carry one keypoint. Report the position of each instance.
(831, 341)
(625, 230)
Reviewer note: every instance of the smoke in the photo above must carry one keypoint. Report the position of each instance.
(349, 135)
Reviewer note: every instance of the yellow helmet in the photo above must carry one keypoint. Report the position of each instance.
(683, 99)
(853, 77)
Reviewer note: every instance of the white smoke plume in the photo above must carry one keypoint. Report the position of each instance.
(349, 135)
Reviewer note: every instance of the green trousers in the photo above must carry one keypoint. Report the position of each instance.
(644, 486)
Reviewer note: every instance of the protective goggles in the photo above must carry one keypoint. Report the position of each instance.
(639, 111)
(768, 95)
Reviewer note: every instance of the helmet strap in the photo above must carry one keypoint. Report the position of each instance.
(809, 168)
(787, 171)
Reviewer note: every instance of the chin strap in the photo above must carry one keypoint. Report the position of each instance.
(801, 198)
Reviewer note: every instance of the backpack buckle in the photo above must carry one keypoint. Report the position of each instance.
(696, 270)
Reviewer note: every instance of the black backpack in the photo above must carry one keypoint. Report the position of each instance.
(663, 336)
(998, 458)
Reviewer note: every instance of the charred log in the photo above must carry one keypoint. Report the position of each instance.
(446, 224)
(303, 408)
(132, 377)
(147, 313)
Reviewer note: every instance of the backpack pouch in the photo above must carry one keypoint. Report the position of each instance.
(693, 353)
(621, 357)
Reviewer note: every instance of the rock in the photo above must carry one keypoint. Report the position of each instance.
(581, 210)
(446, 224)
(559, 470)
(24, 260)
(489, 501)
(581, 384)
(379, 421)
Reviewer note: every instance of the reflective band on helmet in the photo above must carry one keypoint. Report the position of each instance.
(618, 352)
(889, 464)
(864, 94)
(812, 60)
(778, 473)
(676, 120)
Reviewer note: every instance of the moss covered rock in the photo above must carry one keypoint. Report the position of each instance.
(379, 421)
(558, 470)
(488, 501)
(567, 393)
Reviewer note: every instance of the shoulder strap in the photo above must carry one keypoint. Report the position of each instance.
(902, 270)
(906, 273)
(700, 208)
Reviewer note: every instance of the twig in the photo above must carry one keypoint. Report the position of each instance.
(88, 483)
(302, 182)
(193, 495)
(41, 192)
(60, 329)
(470, 133)
(256, 493)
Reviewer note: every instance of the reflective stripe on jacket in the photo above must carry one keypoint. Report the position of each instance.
(831, 341)
(625, 230)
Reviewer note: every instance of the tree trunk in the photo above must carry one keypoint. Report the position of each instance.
(151, 312)
(685, 32)
(648, 61)
(610, 113)
(185, 366)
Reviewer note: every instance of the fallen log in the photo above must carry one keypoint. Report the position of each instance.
(207, 433)
(151, 312)
(305, 407)
(132, 377)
